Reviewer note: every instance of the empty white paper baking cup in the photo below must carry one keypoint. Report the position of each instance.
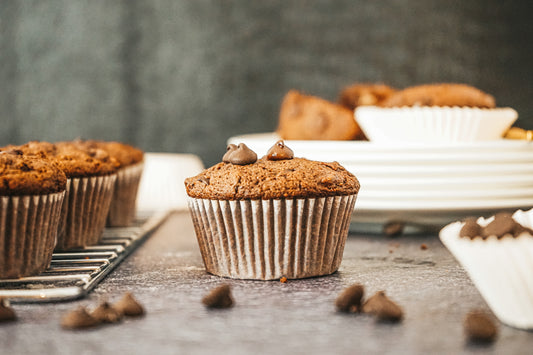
(501, 269)
(123, 206)
(270, 239)
(84, 211)
(434, 124)
(161, 187)
(28, 229)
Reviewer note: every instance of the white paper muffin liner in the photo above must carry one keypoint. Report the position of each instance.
(123, 204)
(501, 269)
(434, 124)
(84, 211)
(270, 239)
(28, 229)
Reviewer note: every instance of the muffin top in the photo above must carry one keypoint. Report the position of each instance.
(275, 176)
(440, 95)
(74, 161)
(125, 154)
(29, 175)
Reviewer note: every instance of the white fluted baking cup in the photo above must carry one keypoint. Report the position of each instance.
(84, 211)
(28, 229)
(123, 204)
(270, 239)
(501, 269)
(162, 186)
(434, 124)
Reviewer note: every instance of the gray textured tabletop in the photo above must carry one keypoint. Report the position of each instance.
(166, 274)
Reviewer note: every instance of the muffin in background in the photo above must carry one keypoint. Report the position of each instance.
(91, 175)
(304, 117)
(122, 210)
(275, 217)
(436, 113)
(364, 94)
(32, 192)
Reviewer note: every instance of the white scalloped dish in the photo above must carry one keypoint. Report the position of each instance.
(434, 124)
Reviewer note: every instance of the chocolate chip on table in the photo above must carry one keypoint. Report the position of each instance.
(106, 313)
(383, 308)
(7, 314)
(280, 151)
(393, 228)
(349, 300)
(79, 319)
(129, 306)
(219, 297)
(423, 246)
(479, 327)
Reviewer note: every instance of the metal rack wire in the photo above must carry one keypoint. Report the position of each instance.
(75, 273)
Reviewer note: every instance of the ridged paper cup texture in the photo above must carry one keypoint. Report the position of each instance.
(434, 124)
(123, 204)
(28, 229)
(501, 269)
(270, 239)
(84, 211)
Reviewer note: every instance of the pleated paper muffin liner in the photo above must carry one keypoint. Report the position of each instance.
(434, 124)
(500, 269)
(28, 229)
(84, 211)
(123, 204)
(270, 239)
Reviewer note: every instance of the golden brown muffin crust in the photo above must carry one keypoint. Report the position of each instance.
(440, 95)
(72, 160)
(124, 153)
(268, 179)
(364, 94)
(29, 175)
(308, 117)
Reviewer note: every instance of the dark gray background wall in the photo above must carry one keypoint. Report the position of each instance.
(184, 75)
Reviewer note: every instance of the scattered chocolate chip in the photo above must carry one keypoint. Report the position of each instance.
(280, 151)
(470, 229)
(423, 246)
(242, 155)
(229, 150)
(79, 319)
(105, 313)
(7, 314)
(219, 297)
(479, 327)
(129, 306)
(283, 279)
(502, 224)
(383, 308)
(393, 228)
(350, 299)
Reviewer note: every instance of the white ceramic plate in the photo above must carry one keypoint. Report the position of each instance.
(444, 195)
(461, 170)
(481, 182)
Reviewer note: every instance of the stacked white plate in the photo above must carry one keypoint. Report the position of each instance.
(428, 184)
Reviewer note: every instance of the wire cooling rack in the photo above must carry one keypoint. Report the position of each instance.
(75, 273)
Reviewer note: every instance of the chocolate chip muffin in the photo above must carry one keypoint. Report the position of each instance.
(305, 117)
(32, 191)
(91, 175)
(275, 217)
(130, 167)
